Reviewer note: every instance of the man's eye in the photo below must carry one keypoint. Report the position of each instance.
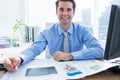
(68, 9)
(61, 9)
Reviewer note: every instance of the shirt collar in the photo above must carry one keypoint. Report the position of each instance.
(70, 30)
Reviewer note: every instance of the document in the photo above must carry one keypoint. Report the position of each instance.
(49, 69)
(40, 71)
(29, 71)
(81, 69)
(1, 57)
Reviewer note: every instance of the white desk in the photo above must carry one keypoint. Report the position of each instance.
(85, 68)
(105, 75)
(14, 51)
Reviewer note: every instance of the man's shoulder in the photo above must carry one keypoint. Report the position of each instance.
(52, 28)
(78, 26)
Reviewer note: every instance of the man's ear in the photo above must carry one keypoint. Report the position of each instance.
(56, 13)
(74, 12)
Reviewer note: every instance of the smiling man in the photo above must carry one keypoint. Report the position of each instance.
(65, 40)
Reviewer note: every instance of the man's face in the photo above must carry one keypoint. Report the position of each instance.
(65, 12)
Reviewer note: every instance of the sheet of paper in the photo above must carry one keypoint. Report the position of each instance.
(80, 69)
(40, 71)
(20, 74)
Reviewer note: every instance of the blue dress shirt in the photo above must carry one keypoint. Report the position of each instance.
(78, 37)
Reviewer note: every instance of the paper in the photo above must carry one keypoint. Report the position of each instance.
(20, 74)
(40, 71)
(58, 70)
(1, 57)
(71, 70)
(80, 69)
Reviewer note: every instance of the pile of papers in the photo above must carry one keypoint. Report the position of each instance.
(46, 69)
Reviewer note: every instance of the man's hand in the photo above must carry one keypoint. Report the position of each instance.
(11, 64)
(58, 56)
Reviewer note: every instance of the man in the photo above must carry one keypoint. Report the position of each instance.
(78, 36)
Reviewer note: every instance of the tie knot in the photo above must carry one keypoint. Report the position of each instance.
(65, 33)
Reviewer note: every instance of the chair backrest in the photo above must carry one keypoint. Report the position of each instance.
(47, 54)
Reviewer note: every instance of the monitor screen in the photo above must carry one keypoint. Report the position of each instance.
(112, 49)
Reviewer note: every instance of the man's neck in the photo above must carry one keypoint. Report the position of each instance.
(65, 26)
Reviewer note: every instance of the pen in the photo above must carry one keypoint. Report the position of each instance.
(4, 57)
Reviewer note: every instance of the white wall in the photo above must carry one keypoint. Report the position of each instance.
(10, 10)
(32, 12)
(37, 13)
(41, 12)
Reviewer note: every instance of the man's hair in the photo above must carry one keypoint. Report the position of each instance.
(72, 1)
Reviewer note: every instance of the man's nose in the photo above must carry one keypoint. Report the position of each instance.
(65, 12)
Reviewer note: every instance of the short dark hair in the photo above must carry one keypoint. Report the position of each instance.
(72, 1)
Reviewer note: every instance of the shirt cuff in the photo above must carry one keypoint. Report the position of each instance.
(77, 55)
(21, 56)
(21, 60)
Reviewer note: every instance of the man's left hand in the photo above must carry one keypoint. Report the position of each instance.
(59, 56)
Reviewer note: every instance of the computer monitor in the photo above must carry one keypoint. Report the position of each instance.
(112, 49)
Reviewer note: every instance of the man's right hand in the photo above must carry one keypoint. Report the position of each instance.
(11, 64)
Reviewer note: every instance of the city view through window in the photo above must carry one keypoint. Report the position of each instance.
(96, 16)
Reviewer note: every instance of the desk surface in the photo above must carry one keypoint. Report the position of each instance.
(105, 75)
(2, 72)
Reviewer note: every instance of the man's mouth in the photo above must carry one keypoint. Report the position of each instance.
(64, 18)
